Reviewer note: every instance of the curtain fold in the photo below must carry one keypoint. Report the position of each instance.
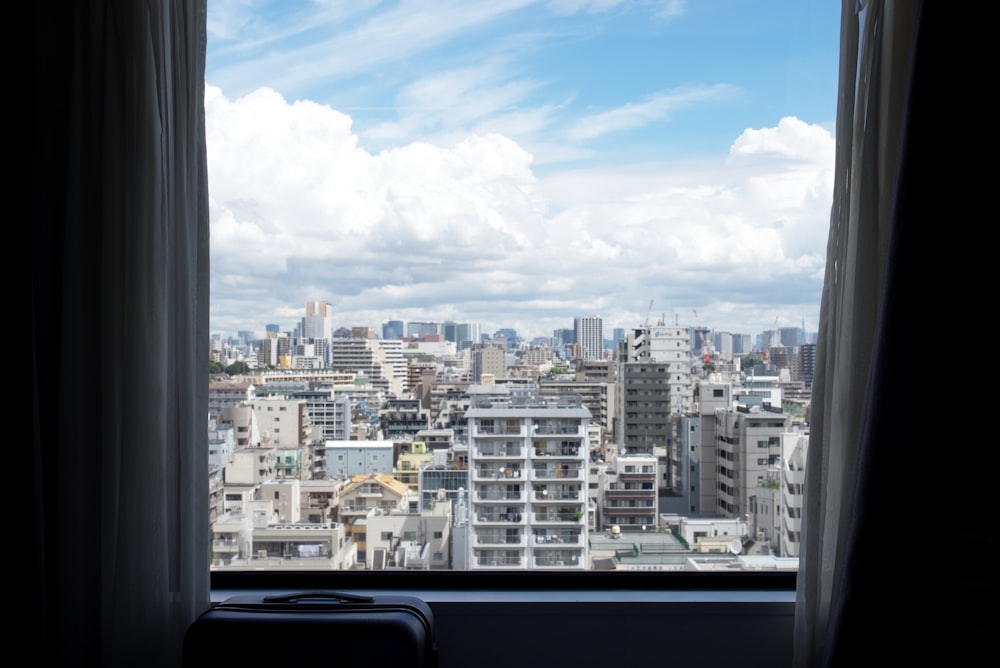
(856, 323)
(120, 322)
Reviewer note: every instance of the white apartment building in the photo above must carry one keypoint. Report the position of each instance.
(794, 448)
(528, 478)
(351, 458)
(589, 337)
(671, 348)
(748, 452)
(384, 365)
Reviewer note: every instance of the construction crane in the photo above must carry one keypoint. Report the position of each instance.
(648, 311)
(706, 349)
(770, 341)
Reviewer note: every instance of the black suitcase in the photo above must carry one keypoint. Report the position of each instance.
(314, 629)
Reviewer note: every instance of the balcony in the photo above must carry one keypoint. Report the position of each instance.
(564, 472)
(502, 541)
(494, 473)
(480, 431)
(629, 511)
(560, 517)
(494, 450)
(498, 517)
(556, 539)
(544, 495)
(498, 562)
(499, 493)
(629, 493)
(542, 449)
(636, 476)
(558, 561)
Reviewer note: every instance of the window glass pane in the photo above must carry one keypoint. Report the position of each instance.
(509, 285)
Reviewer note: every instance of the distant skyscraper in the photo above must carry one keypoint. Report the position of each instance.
(392, 329)
(317, 326)
(318, 321)
(590, 336)
(807, 362)
(272, 328)
(417, 330)
(488, 360)
(466, 335)
(618, 334)
(564, 336)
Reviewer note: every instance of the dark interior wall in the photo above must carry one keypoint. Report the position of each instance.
(529, 634)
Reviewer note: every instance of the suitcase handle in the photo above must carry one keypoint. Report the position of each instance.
(323, 595)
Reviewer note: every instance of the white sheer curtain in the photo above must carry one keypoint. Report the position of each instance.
(878, 38)
(120, 325)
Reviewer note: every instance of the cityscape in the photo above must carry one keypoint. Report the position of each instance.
(433, 445)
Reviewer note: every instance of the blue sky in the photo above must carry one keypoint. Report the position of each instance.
(520, 163)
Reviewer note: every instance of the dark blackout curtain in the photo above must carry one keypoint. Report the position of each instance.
(891, 562)
(119, 306)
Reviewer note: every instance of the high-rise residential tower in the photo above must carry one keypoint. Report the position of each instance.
(528, 481)
(590, 337)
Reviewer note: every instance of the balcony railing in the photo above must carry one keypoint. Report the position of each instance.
(496, 473)
(557, 538)
(558, 561)
(508, 541)
(575, 517)
(491, 494)
(568, 472)
(498, 562)
(546, 496)
(629, 493)
(557, 451)
(480, 518)
(509, 451)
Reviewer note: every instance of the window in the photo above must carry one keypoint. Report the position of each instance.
(776, 661)
(622, 125)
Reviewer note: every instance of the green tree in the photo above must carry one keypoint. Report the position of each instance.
(237, 368)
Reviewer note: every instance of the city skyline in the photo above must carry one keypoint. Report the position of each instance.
(519, 164)
(527, 337)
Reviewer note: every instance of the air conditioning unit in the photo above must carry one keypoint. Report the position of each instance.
(761, 535)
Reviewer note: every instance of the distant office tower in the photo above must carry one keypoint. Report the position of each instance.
(723, 343)
(362, 332)
(466, 335)
(416, 330)
(509, 337)
(528, 482)
(590, 336)
(807, 362)
(563, 337)
(449, 330)
(668, 351)
(742, 344)
(791, 336)
(618, 334)
(392, 329)
(272, 328)
(488, 359)
(318, 321)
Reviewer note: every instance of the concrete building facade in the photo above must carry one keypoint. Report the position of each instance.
(528, 476)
